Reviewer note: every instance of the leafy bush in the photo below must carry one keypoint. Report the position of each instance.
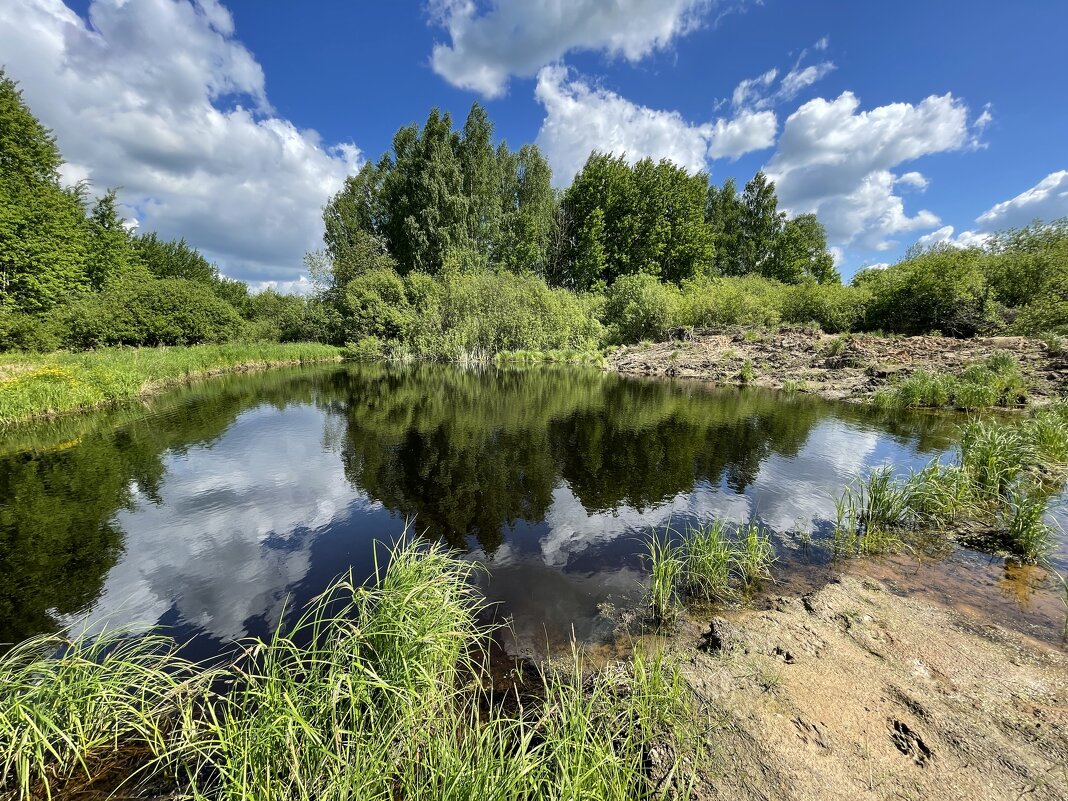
(476, 314)
(835, 308)
(27, 332)
(941, 289)
(375, 304)
(639, 307)
(171, 311)
(723, 302)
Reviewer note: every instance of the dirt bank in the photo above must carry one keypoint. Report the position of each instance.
(854, 692)
(849, 367)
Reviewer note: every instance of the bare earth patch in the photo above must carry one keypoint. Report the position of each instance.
(846, 367)
(853, 692)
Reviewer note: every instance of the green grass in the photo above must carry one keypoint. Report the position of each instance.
(996, 381)
(994, 494)
(376, 692)
(706, 563)
(33, 386)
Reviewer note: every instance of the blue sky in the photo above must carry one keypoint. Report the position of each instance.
(232, 123)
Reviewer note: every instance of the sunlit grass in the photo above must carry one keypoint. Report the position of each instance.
(42, 385)
(996, 381)
(376, 691)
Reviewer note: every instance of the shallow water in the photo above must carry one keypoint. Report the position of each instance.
(216, 508)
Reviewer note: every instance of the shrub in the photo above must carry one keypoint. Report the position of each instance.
(170, 311)
(639, 307)
(939, 289)
(834, 307)
(724, 302)
(375, 304)
(27, 332)
(478, 314)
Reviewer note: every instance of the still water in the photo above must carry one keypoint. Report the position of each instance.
(216, 508)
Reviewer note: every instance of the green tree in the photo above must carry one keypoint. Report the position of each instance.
(424, 194)
(761, 225)
(528, 208)
(111, 254)
(44, 238)
(723, 213)
(481, 181)
(173, 259)
(801, 253)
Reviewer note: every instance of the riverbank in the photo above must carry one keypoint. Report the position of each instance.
(852, 691)
(34, 386)
(852, 367)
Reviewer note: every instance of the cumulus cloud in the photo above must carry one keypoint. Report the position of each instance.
(836, 160)
(158, 98)
(580, 118)
(946, 236)
(489, 42)
(1046, 200)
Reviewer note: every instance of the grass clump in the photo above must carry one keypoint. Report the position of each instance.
(994, 494)
(75, 714)
(376, 692)
(997, 381)
(706, 563)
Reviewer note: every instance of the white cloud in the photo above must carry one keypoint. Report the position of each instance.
(945, 236)
(1047, 200)
(157, 98)
(580, 118)
(489, 42)
(836, 161)
(757, 92)
(916, 180)
(797, 79)
(752, 90)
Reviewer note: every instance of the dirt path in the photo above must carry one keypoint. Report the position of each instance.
(849, 367)
(852, 692)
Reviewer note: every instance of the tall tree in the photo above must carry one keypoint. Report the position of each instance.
(424, 193)
(43, 230)
(110, 252)
(801, 253)
(761, 225)
(481, 181)
(528, 211)
(723, 212)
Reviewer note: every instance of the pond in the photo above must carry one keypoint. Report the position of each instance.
(213, 509)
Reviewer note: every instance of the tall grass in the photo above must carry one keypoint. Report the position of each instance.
(375, 692)
(38, 386)
(996, 381)
(706, 563)
(76, 714)
(994, 494)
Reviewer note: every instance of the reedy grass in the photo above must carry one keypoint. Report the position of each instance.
(706, 563)
(76, 712)
(34, 386)
(375, 692)
(996, 381)
(1001, 480)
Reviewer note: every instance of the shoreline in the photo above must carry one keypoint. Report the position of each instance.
(36, 387)
(847, 367)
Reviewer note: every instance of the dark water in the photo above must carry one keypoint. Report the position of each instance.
(216, 507)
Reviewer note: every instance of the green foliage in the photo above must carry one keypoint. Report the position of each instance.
(730, 302)
(665, 571)
(639, 307)
(170, 311)
(940, 289)
(835, 308)
(1027, 270)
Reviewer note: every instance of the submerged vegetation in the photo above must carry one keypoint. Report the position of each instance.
(41, 385)
(995, 492)
(374, 693)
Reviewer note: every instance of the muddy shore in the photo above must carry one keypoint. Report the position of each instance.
(852, 691)
(847, 367)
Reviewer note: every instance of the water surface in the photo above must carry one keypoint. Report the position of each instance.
(217, 507)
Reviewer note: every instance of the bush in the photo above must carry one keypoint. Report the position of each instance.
(171, 311)
(639, 307)
(27, 332)
(375, 304)
(477, 314)
(724, 302)
(941, 289)
(835, 308)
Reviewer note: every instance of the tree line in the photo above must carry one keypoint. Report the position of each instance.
(453, 246)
